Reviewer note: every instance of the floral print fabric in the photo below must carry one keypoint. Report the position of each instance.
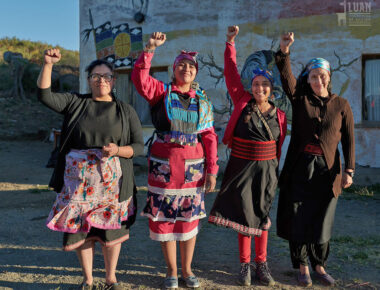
(176, 183)
(159, 169)
(194, 170)
(160, 207)
(90, 195)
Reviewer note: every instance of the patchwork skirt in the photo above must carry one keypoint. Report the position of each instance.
(176, 185)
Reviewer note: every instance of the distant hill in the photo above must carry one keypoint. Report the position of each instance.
(18, 119)
(33, 51)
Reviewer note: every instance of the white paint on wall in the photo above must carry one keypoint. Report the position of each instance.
(200, 25)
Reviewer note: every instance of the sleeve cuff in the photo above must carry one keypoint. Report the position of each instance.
(136, 149)
(44, 91)
(281, 54)
(350, 166)
(213, 170)
(146, 59)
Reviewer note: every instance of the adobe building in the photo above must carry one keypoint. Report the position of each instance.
(346, 33)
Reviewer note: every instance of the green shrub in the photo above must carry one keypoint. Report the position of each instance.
(33, 51)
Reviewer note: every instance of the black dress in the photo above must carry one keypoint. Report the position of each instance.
(313, 203)
(248, 187)
(308, 214)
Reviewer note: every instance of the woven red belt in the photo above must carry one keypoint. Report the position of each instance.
(313, 149)
(253, 150)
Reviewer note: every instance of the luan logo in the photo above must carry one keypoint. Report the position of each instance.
(355, 14)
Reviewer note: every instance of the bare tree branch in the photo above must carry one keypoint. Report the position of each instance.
(86, 34)
(211, 65)
(341, 65)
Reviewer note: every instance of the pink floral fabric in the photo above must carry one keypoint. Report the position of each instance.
(174, 208)
(159, 170)
(90, 195)
(194, 171)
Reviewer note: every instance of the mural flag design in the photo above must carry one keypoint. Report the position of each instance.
(122, 45)
(103, 40)
(118, 44)
(136, 42)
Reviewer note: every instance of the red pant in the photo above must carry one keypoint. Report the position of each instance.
(260, 247)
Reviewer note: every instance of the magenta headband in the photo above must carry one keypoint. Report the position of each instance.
(190, 55)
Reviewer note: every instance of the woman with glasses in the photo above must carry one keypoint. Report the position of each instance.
(312, 177)
(93, 176)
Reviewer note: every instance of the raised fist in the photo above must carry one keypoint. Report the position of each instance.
(156, 39)
(286, 41)
(232, 31)
(52, 56)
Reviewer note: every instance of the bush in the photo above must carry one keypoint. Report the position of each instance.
(33, 51)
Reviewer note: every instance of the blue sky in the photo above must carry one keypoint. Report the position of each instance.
(55, 22)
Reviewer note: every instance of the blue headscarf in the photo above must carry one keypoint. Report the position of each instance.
(265, 73)
(317, 63)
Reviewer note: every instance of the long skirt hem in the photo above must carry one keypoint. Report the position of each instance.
(163, 231)
(242, 229)
(95, 239)
(174, 236)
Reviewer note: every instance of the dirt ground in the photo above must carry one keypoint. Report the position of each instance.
(31, 255)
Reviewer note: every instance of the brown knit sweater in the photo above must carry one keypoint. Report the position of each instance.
(327, 121)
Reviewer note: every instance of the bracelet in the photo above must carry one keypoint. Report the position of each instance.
(118, 148)
(350, 173)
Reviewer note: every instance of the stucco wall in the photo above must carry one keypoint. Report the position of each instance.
(200, 25)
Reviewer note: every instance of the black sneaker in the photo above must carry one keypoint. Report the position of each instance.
(245, 274)
(263, 274)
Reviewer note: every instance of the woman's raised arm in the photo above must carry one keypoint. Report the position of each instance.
(288, 80)
(147, 86)
(231, 74)
(55, 101)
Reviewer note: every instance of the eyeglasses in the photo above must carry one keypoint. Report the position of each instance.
(96, 77)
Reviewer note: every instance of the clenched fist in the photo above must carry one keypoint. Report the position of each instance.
(232, 31)
(156, 39)
(52, 56)
(286, 41)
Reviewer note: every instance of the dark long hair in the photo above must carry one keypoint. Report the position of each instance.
(302, 84)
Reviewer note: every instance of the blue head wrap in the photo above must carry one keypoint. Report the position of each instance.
(317, 63)
(265, 73)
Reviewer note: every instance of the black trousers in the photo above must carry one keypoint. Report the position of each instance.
(317, 253)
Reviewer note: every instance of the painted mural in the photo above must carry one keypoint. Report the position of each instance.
(264, 59)
(118, 44)
(344, 32)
